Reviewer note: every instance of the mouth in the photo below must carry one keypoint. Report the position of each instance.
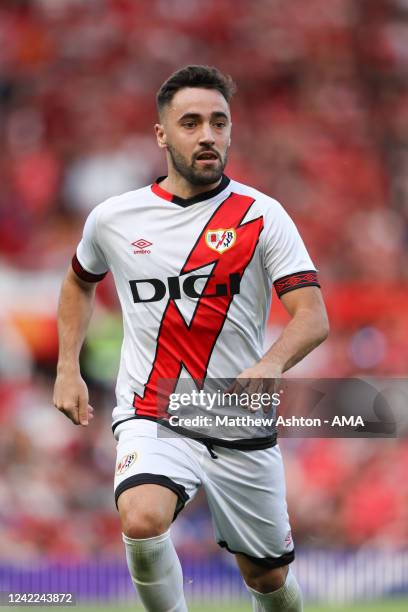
(207, 156)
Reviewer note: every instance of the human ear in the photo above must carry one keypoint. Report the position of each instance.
(160, 136)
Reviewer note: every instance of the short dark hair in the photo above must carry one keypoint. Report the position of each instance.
(207, 77)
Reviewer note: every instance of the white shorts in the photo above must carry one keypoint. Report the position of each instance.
(245, 489)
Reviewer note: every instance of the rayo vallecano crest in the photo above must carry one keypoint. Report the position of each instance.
(125, 463)
(220, 239)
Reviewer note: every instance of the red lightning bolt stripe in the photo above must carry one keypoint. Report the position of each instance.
(191, 345)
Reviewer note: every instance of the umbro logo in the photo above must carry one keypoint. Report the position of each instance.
(142, 246)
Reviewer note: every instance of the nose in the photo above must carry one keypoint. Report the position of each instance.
(206, 135)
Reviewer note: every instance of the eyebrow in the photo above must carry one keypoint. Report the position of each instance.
(198, 116)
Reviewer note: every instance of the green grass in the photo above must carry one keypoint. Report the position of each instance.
(389, 605)
(383, 606)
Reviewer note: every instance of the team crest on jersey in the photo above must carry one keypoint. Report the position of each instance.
(220, 240)
(125, 463)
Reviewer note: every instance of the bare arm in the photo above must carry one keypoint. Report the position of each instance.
(307, 328)
(74, 313)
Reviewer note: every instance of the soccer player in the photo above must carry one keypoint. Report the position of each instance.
(194, 257)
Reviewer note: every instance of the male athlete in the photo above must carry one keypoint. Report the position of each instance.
(194, 257)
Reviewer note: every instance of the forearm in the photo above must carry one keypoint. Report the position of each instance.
(304, 332)
(74, 313)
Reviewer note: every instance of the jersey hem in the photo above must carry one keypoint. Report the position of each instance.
(245, 444)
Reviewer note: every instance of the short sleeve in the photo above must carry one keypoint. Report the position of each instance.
(89, 262)
(285, 256)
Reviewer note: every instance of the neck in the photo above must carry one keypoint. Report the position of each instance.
(179, 186)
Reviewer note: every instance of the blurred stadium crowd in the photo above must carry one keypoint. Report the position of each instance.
(320, 123)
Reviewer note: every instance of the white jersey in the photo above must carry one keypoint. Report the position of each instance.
(194, 278)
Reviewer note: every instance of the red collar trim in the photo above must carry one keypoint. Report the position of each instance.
(162, 193)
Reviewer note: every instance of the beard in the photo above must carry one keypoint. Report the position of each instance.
(192, 173)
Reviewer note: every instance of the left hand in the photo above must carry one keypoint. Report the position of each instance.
(263, 377)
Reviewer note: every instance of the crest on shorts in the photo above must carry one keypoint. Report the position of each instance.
(125, 463)
(220, 240)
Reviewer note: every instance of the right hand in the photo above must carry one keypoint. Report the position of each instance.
(71, 397)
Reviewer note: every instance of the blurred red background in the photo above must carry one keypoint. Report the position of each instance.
(320, 123)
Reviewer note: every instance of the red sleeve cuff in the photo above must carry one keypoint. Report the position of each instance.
(84, 274)
(296, 281)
